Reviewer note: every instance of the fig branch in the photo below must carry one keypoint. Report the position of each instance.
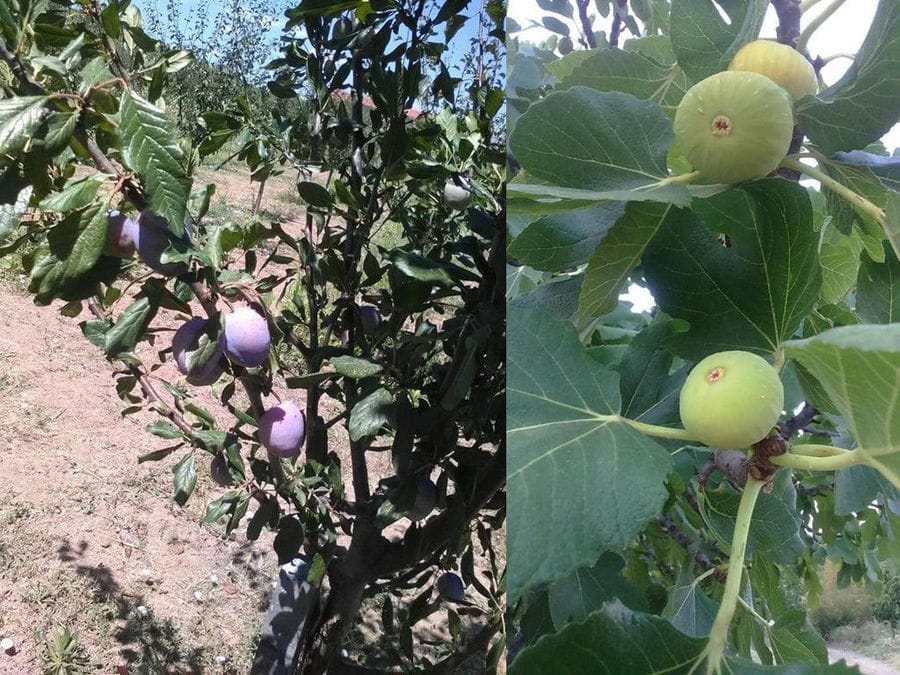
(718, 636)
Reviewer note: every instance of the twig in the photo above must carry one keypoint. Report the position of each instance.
(586, 26)
(620, 9)
(798, 422)
(700, 557)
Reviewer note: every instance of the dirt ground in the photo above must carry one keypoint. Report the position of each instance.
(867, 665)
(92, 541)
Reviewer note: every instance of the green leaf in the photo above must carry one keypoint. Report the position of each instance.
(751, 295)
(878, 290)
(569, 466)
(59, 129)
(164, 429)
(613, 641)
(794, 640)
(558, 298)
(222, 506)
(608, 144)
(370, 414)
(857, 487)
(421, 268)
(130, 326)
(865, 103)
(839, 260)
(75, 195)
(565, 240)
(11, 214)
(689, 609)
(587, 589)
(20, 117)
(631, 73)
(109, 17)
(616, 256)
(704, 41)
(858, 367)
(185, 478)
(314, 194)
(355, 368)
(150, 148)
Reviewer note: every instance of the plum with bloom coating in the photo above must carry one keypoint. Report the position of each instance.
(246, 338)
(731, 399)
(151, 240)
(187, 339)
(121, 232)
(282, 429)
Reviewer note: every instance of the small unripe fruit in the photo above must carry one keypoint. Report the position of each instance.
(151, 241)
(565, 45)
(780, 63)
(735, 126)
(121, 232)
(456, 197)
(282, 429)
(731, 400)
(246, 338)
(186, 340)
(370, 319)
(450, 587)
(426, 498)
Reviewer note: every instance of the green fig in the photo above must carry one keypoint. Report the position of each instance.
(783, 65)
(731, 400)
(735, 126)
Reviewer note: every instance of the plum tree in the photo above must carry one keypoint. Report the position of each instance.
(246, 337)
(370, 318)
(780, 63)
(282, 429)
(450, 587)
(735, 126)
(456, 196)
(187, 342)
(121, 232)
(731, 399)
(426, 498)
(151, 240)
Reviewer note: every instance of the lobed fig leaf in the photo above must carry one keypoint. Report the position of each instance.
(783, 65)
(731, 399)
(735, 126)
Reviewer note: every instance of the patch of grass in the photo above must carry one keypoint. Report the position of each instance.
(63, 655)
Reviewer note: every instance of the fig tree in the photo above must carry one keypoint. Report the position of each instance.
(370, 319)
(151, 240)
(731, 399)
(282, 429)
(782, 64)
(455, 196)
(735, 126)
(246, 338)
(186, 341)
(121, 232)
(450, 587)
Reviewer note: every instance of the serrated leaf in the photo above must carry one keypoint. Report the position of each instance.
(150, 148)
(164, 429)
(75, 195)
(599, 145)
(20, 116)
(130, 326)
(11, 214)
(59, 129)
(571, 463)
(185, 479)
(704, 41)
(370, 414)
(751, 295)
(355, 368)
(865, 103)
(565, 240)
(859, 368)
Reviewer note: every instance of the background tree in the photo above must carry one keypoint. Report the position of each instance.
(635, 546)
(404, 342)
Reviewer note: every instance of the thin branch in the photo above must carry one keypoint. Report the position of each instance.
(703, 561)
(586, 26)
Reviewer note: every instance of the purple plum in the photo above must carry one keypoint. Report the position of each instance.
(282, 429)
(450, 587)
(152, 239)
(370, 319)
(246, 337)
(218, 471)
(186, 340)
(121, 232)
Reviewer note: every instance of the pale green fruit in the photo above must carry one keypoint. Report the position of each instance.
(456, 197)
(735, 126)
(731, 400)
(783, 65)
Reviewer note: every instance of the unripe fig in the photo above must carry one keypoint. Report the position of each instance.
(246, 337)
(780, 63)
(426, 498)
(121, 231)
(735, 126)
(151, 241)
(564, 45)
(450, 587)
(456, 197)
(187, 340)
(731, 400)
(370, 319)
(282, 429)
(218, 471)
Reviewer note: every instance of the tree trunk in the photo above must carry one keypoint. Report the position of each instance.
(259, 196)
